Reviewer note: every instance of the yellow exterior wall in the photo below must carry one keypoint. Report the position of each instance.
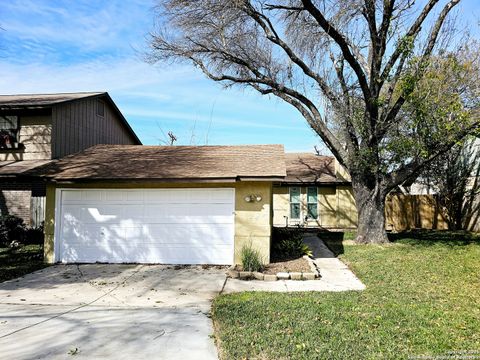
(336, 207)
(346, 209)
(281, 205)
(327, 201)
(252, 220)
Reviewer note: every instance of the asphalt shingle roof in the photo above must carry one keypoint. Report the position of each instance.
(39, 100)
(309, 168)
(133, 162)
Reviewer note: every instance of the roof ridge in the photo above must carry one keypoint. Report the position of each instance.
(59, 93)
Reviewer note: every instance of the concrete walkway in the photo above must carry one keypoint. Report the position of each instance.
(335, 275)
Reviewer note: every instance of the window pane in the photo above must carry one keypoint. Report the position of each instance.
(8, 122)
(295, 211)
(294, 195)
(312, 211)
(8, 130)
(312, 195)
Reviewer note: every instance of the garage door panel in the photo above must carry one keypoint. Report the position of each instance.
(186, 214)
(174, 226)
(182, 235)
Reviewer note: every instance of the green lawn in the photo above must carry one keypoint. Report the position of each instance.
(18, 262)
(422, 298)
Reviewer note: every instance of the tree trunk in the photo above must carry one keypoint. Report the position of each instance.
(371, 215)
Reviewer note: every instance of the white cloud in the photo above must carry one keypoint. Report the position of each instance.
(90, 46)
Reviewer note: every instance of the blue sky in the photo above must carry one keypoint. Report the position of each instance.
(65, 46)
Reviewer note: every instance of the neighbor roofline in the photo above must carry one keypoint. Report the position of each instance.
(91, 96)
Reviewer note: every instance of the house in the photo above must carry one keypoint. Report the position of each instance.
(187, 204)
(316, 193)
(161, 204)
(37, 128)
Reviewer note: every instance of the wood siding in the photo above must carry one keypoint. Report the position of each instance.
(76, 126)
(405, 212)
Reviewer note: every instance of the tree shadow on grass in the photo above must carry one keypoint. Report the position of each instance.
(432, 237)
(335, 239)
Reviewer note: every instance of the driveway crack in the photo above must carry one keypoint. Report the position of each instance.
(74, 309)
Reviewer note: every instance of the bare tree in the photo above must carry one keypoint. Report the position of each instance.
(351, 68)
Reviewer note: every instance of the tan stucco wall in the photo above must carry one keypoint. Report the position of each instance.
(336, 207)
(252, 220)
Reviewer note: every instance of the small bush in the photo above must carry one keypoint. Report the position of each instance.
(34, 236)
(251, 259)
(12, 228)
(287, 243)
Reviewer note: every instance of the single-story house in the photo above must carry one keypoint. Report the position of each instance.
(188, 204)
(161, 204)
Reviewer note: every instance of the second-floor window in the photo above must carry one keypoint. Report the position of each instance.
(8, 131)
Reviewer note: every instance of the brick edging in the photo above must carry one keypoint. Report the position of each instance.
(248, 275)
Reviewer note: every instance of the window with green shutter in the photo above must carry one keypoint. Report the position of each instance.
(295, 203)
(312, 203)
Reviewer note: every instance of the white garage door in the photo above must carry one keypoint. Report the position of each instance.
(167, 226)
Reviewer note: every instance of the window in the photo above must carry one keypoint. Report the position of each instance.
(312, 203)
(100, 108)
(8, 131)
(295, 203)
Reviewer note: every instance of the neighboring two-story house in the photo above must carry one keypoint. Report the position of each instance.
(37, 129)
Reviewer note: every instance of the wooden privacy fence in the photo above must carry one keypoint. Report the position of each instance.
(406, 212)
(37, 211)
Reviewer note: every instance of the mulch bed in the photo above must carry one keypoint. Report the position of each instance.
(289, 265)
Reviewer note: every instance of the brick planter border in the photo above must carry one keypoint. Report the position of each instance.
(254, 275)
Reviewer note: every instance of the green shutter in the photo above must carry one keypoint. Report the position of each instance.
(295, 203)
(312, 203)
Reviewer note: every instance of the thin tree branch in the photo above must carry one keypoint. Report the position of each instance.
(339, 39)
(410, 34)
(393, 110)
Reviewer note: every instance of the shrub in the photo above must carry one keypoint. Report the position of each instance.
(34, 236)
(287, 243)
(12, 228)
(251, 259)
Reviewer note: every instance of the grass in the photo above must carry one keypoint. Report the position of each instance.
(20, 261)
(422, 299)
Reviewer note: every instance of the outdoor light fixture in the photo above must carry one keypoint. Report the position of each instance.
(253, 198)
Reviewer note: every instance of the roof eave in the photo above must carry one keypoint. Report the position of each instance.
(162, 180)
(315, 183)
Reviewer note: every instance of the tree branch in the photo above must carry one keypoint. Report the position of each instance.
(410, 34)
(413, 168)
(284, 92)
(339, 39)
(393, 110)
(272, 35)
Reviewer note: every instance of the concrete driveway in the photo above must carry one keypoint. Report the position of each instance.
(109, 312)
